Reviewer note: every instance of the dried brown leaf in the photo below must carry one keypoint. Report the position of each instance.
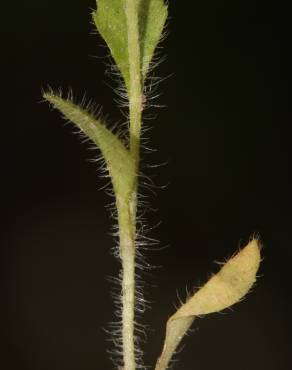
(224, 289)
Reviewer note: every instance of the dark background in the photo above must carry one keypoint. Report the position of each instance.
(226, 135)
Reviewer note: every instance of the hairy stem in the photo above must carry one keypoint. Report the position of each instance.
(135, 93)
(127, 252)
(127, 211)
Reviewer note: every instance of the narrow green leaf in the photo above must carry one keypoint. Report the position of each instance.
(152, 17)
(224, 289)
(110, 20)
(119, 162)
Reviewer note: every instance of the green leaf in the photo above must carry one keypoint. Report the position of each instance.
(224, 289)
(152, 18)
(110, 20)
(119, 162)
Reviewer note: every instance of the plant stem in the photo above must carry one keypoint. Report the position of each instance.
(135, 93)
(127, 252)
(128, 208)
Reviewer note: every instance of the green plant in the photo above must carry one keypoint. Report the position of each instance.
(132, 30)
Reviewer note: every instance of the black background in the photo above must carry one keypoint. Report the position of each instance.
(226, 135)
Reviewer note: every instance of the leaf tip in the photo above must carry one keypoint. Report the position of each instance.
(248, 259)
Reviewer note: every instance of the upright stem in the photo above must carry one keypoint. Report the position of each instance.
(127, 252)
(135, 93)
(128, 208)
